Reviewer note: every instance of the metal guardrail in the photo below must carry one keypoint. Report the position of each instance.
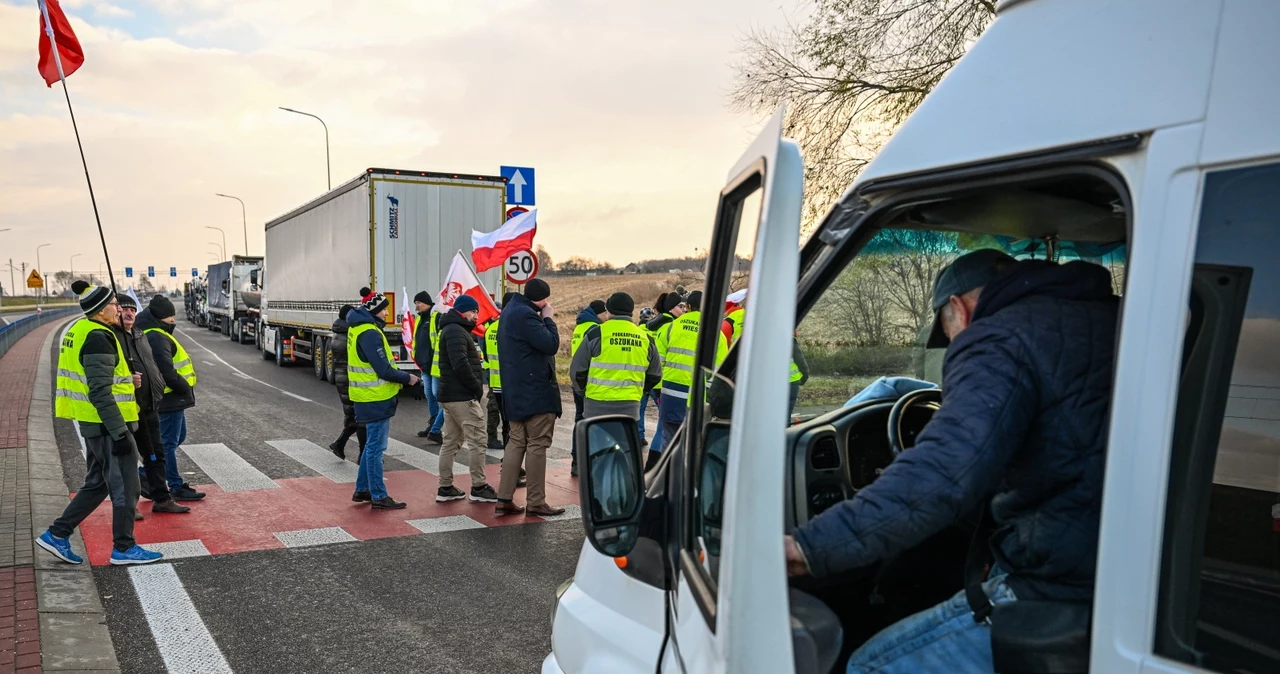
(11, 333)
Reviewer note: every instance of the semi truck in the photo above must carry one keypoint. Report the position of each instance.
(394, 231)
(234, 297)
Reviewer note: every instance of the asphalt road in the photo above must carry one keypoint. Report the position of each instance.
(434, 588)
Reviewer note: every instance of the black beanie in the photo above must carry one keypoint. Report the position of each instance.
(161, 307)
(506, 298)
(597, 306)
(621, 304)
(92, 298)
(424, 297)
(373, 302)
(695, 300)
(537, 290)
(342, 313)
(672, 301)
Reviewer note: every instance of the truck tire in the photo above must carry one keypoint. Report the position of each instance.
(317, 357)
(280, 359)
(233, 329)
(328, 363)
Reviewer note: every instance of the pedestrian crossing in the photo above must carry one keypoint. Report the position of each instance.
(226, 468)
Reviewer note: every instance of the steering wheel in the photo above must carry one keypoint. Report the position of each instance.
(929, 398)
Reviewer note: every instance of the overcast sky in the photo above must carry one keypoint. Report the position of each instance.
(621, 107)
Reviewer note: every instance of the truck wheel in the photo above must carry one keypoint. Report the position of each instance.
(280, 359)
(233, 328)
(328, 363)
(317, 357)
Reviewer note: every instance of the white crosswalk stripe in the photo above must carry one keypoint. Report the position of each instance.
(317, 458)
(228, 469)
(422, 459)
(181, 636)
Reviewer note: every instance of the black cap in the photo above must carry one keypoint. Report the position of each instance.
(597, 306)
(694, 300)
(92, 298)
(537, 290)
(671, 301)
(965, 273)
(621, 304)
(161, 307)
(424, 297)
(127, 301)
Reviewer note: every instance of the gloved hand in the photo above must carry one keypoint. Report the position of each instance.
(124, 446)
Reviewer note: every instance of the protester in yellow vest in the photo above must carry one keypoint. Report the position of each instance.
(96, 387)
(678, 345)
(424, 354)
(374, 382)
(733, 325)
(493, 363)
(141, 330)
(590, 316)
(668, 307)
(616, 363)
(179, 373)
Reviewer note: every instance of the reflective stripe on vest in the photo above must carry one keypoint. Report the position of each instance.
(735, 319)
(578, 331)
(617, 374)
(680, 338)
(435, 344)
(362, 379)
(181, 361)
(71, 396)
(492, 361)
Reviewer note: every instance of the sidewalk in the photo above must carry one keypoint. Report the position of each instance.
(51, 619)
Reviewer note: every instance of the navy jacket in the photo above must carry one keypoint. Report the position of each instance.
(528, 344)
(461, 370)
(369, 346)
(1024, 421)
(182, 396)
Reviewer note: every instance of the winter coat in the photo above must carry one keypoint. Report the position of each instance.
(182, 396)
(369, 346)
(137, 349)
(528, 344)
(461, 369)
(589, 349)
(422, 351)
(659, 321)
(1026, 389)
(338, 347)
(98, 357)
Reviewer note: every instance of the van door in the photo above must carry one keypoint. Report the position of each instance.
(729, 607)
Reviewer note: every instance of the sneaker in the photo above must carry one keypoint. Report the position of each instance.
(186, 493)
(483, 494)
(388, 503)
(169, 506)
(59, 547)
(135, 555)
(137, 515)
(362, 497)
(544, 510)
(435, 438)
(338, 450)
(424, 433)
(507, 508)
(450, 493)
(494, 444)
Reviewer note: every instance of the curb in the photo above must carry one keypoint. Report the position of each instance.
(73, 624)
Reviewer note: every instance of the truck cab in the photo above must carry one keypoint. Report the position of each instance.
(1139, 136)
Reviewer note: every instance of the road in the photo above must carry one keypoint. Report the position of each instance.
(278, 571)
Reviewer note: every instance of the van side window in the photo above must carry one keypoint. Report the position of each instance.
(1220, 572)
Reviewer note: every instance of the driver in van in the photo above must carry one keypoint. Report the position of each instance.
(1027, 385)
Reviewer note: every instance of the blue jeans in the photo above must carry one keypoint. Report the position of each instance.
(433, 406)
(941, 639)
(173, 432)
(671, 410)
(656, 443)
(644, 402)
(369, 477)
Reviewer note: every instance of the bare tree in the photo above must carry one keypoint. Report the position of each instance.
(851, 74)
(545, 264)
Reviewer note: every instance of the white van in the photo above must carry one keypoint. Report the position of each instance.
(1140, 135)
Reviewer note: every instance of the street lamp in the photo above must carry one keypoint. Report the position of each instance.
(10, 272)
(243, 221)
(328, 174)
(39, 267)
(224, 240)
(222, 253)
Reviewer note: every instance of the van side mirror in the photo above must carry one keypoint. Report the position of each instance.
(253, 277)
(612, 484)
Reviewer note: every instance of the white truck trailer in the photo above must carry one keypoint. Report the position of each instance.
(395, 231)
(233, 297)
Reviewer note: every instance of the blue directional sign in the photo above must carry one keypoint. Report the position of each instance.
(151, 272)
(194, 272)
(519, 185)
(173, 271)
(128, 272)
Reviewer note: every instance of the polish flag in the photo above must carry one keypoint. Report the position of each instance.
(406, 320)
(490, 249)
(462, 281)
(69, 56)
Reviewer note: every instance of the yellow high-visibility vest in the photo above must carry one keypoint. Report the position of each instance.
(435, 344)
(617, 374)
(491, 356)
(362, 380)
(181, 361)
(735, 318)
(578, 331)
(71, 396)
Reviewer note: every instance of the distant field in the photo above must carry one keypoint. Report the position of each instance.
(26, 303)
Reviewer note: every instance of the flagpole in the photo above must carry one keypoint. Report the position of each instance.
(57, 59)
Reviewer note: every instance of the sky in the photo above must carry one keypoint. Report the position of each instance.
(622, 109)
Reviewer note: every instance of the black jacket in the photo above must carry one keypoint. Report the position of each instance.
(422, 352)
(461, 370)
(99, 357)
(338, 346)
(1027, 387)
(528, 344)
(659, 321)
(182, 396)
(137, 349)
(370, 346)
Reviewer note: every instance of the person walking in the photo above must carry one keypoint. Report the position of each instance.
(461, 388)
(179, 373)
(493, 362)
(96, 388)
(528, 340)
(137, 348)
(424, 354)
(666, 308)
(591, 315)
(678, 345)
(616, 364)
(338, 347)
(374, 384)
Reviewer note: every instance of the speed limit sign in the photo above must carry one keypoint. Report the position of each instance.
(521, 267)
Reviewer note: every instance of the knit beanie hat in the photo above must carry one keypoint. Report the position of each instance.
(127, 301)
(506, 298)
(372, 301)
(92, 298)
(424, 297)
(537, 290)
(161, 307)
(597, 306)
(671, 301)
(621, 303)
(342, 313)
(695, 300)
(465, 303)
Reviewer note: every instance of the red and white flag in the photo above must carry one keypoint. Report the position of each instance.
(406, 319)
(489, 250)
(70, 55)
(462, 281)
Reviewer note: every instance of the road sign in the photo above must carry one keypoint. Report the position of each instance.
(516, 210)
(34, 280)
(173, 271)
(151, 271)
(128, 272)
(521, 267)
(194, 272)
(519, 185)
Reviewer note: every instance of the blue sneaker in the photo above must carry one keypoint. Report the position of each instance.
(60, 547)
(135, 555)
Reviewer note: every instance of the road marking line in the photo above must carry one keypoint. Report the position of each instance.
(235, 369)
(295, 395)
(307, 537)
(317, 458)
(571, 512)
(228, 469)
(435, 525)
(179, 549)
(181, 636)
(422, 459)
(239, 374)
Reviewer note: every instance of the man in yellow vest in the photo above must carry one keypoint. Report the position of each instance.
(96, 387)
(149, 437)
(678, 346)
(590, 316)
(616, 364)
(179, 373)
(493, 363)
(732, 329)
(425, 336)
(668, 307)
(374, 383)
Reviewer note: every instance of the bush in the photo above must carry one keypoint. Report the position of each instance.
(857, 361)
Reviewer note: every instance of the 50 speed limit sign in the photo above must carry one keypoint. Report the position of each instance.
(521, 267)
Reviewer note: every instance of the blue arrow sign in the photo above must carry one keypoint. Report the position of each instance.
(194, 272)
(128, 272)
(151, 272)
(519, 185)
(173, 271)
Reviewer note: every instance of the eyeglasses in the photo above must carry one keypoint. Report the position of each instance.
(113, 304)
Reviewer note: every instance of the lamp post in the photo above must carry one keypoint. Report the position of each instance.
(224, 241)
(10, 273)
(327, 173)
(71, 269)
(222, 254)
(39, 267)
(243, 221)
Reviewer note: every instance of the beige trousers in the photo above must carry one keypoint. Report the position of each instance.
(463, 419)
(529, 442)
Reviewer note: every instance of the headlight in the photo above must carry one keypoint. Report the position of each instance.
(564, 587)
